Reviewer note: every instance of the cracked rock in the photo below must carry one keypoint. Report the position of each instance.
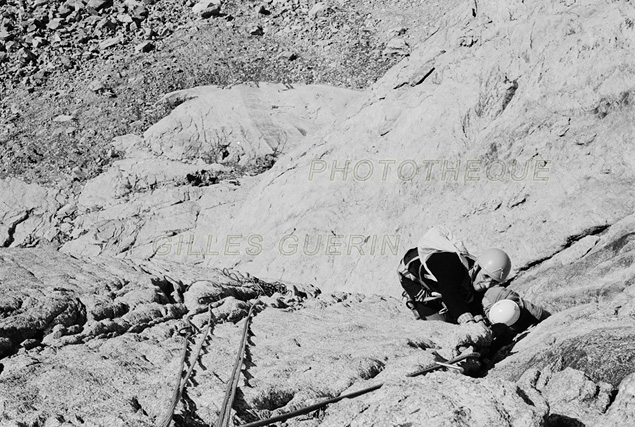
(396, 45)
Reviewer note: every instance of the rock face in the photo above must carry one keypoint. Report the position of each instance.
(509, 125)
(152, 195)
(96, 341)
(481, 120)
(591, 269)
(579, 338)
(44, 289)
(590, 282)
(245, 122)
(499, 90)
(572, 397)
(30, 213)
(238, 126)
(620, 412)
(443, 400)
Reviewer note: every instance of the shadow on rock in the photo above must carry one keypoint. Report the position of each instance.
(557, 420)
(505, 339)
(189, 417)
(243, 408)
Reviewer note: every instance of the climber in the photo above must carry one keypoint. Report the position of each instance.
(509, 315)
(442, 281)
(504, 306)
(452, 286)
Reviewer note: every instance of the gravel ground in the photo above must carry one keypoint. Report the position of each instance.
(75, 74)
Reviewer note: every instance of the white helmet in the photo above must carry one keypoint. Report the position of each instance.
(504, 311)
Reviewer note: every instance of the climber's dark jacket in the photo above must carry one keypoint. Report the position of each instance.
(453, 283)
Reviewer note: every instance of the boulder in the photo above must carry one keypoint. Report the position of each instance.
(207, 8)
(99, 4)
(248, 120)
(148, 199)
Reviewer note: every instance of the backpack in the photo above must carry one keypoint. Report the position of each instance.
(440, 239)
(437, 239)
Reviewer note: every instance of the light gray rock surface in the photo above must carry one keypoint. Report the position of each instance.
(110, 328)
(572, 397)
(590, 284)
(592, 269)
(519, 90)
(477, 90)
(594, 338)
(27, 212)
(621, 411)
(109, 331)
(483, 93)
(244, 122)
(441, 400)
(142, 247)
(96, 340)
(163, 190)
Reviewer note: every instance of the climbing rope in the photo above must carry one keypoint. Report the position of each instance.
(180, 380)
(176, 395)
(263, 288)
(311, 408)
(224, 419)
(450, 364)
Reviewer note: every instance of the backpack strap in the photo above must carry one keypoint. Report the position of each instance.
(404, 270)
(424, 273)
(425, 293)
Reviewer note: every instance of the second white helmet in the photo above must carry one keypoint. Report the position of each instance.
(504, 311)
